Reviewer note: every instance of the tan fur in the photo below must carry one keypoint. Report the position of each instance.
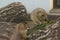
(21, 32)
(35, 13)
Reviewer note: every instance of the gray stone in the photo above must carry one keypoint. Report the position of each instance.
(6, 30)
(51, 32)
(14, 12)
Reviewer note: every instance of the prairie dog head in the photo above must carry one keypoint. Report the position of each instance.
(39, 16)
(20, 32)
(21, 28)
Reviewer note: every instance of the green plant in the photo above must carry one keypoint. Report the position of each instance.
(40, 26)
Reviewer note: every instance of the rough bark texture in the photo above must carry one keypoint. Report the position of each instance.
(53, 17)
(51, 32)
(6, 30)
(14, 12)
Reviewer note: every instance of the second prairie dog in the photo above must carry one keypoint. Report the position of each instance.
(20, 33)
(38, 12)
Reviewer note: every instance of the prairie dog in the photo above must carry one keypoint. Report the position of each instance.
(20, 33)
(37, 14)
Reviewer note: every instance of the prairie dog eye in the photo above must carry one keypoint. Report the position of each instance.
(39, 13)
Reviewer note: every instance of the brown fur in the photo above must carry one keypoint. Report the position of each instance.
(20, 33)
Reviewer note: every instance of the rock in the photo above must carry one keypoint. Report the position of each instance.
(39, 16)
(53, 17)
(14, 12)
(6, 30)
(51, 32)
(10, 31)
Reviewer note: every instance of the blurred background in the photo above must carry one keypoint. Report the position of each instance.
(29, 4)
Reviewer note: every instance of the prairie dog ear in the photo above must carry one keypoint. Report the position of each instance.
(37, 14)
